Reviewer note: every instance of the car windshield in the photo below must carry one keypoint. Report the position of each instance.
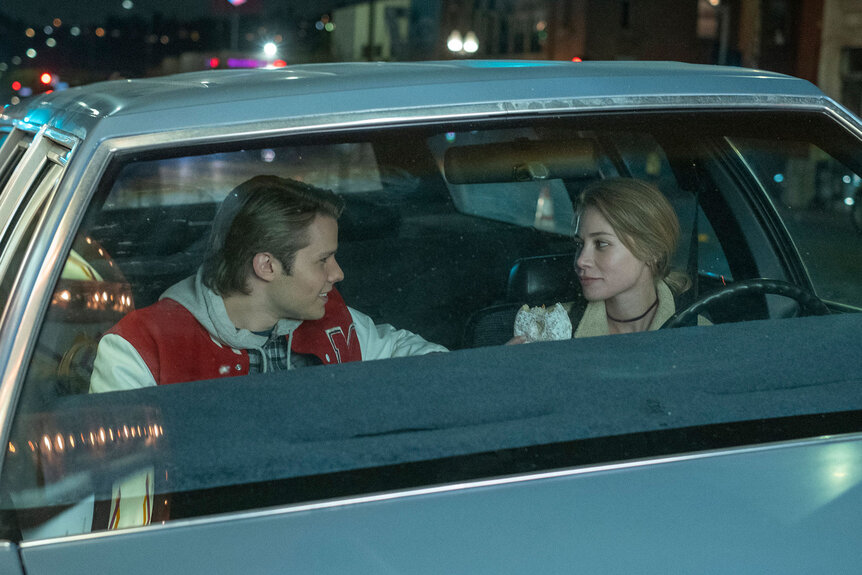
(446, 230)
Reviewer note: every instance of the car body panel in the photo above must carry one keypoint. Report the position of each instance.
(10, 560)
(741, 509)
(194, 100)
(474, 402)
(747, 511)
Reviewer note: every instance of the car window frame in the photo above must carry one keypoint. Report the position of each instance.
(12, 151)
(52, 148)
(30, 189)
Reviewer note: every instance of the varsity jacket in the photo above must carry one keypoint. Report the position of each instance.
(187, 336)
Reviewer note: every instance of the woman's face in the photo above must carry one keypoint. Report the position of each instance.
(605, 265)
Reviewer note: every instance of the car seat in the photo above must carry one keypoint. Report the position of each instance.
(535, 281)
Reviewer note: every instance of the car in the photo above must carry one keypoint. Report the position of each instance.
(729, 447)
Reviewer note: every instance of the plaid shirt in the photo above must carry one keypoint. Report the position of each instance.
(277, 353)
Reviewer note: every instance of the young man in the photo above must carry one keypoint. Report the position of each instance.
(263, 300)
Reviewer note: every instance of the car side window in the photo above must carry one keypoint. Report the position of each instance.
(644, 157)
(818, 198)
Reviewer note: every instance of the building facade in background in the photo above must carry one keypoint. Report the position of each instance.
(818, 40)
(839, 72)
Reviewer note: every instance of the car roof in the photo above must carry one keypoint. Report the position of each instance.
(259, 95)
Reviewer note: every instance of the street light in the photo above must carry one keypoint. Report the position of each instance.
(455, 43)
(471, 43)
(468, 44)
(724, 28)
(234, 28)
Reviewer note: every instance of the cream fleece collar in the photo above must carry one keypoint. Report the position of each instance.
(595, 320)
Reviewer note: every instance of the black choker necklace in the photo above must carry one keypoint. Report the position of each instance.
(641, 316)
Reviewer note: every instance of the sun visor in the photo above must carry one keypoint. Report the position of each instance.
(520, 161)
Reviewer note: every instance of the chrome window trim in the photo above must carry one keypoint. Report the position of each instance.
(21, 323)
(26, 126)
(451, 488)
(37, 201)
(15, 140)
(15, 332)
(19, 307)
(275, 127)
(40, 154)
(65, 140)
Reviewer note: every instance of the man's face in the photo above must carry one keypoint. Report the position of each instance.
(303, 294)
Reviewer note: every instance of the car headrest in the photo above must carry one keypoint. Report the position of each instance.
(519, 161)
(544, 280)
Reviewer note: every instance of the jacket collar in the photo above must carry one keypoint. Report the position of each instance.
(595, 320)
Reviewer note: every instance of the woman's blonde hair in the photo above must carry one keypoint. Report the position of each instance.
(643, 220)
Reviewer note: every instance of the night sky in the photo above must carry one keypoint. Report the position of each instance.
(139, 36)
(82, 12)
(78, 12)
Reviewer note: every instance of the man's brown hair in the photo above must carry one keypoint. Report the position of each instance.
(263, 214)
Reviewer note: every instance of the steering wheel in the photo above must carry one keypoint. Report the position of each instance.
(809, 303)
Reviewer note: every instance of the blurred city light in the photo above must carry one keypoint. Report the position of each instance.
(471, 43)
(467, 44)
(246, 63)
(455, 43)
(46, 78)
(270, 49)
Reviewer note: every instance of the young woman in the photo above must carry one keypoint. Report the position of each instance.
(627, 234)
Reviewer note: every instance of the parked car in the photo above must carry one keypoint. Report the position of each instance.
(734, 447)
